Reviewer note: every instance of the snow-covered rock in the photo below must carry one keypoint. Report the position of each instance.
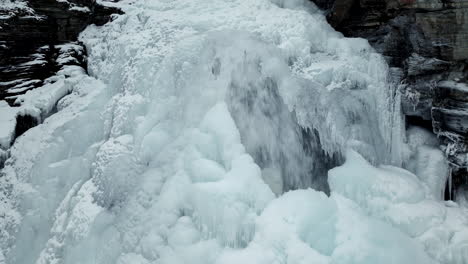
(7, 125)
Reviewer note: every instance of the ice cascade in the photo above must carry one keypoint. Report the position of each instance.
(201, 137)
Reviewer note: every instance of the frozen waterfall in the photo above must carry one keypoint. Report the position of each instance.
(226, 131)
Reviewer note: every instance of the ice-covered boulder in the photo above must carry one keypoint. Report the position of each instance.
(399, 198)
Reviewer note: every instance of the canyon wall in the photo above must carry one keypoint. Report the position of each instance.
(425, 44)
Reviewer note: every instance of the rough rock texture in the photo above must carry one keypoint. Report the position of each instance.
(29, 32)
(38, 38)
(426, 44)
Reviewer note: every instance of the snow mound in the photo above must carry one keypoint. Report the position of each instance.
(399, 198)
(305, 225)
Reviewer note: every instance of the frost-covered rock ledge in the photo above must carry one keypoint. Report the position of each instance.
(32, 107)
(30, 30)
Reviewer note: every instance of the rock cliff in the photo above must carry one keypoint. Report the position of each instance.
(38, 40)
(29, 35)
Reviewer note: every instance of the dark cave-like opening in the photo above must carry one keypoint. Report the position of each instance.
(23, 123)
(420, 122)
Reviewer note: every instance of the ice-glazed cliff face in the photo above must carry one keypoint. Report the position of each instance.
(199, 116)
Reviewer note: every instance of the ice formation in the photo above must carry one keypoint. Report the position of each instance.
(199, 116)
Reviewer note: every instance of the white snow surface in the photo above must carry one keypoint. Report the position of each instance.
(7, 124)
(145, 162)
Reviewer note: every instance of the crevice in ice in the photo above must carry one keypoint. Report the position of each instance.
(448, 192)
(456, 183)
(24, 123)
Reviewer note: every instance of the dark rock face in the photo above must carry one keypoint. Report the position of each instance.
(29, 35)
(38, 38)
(426, 44)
